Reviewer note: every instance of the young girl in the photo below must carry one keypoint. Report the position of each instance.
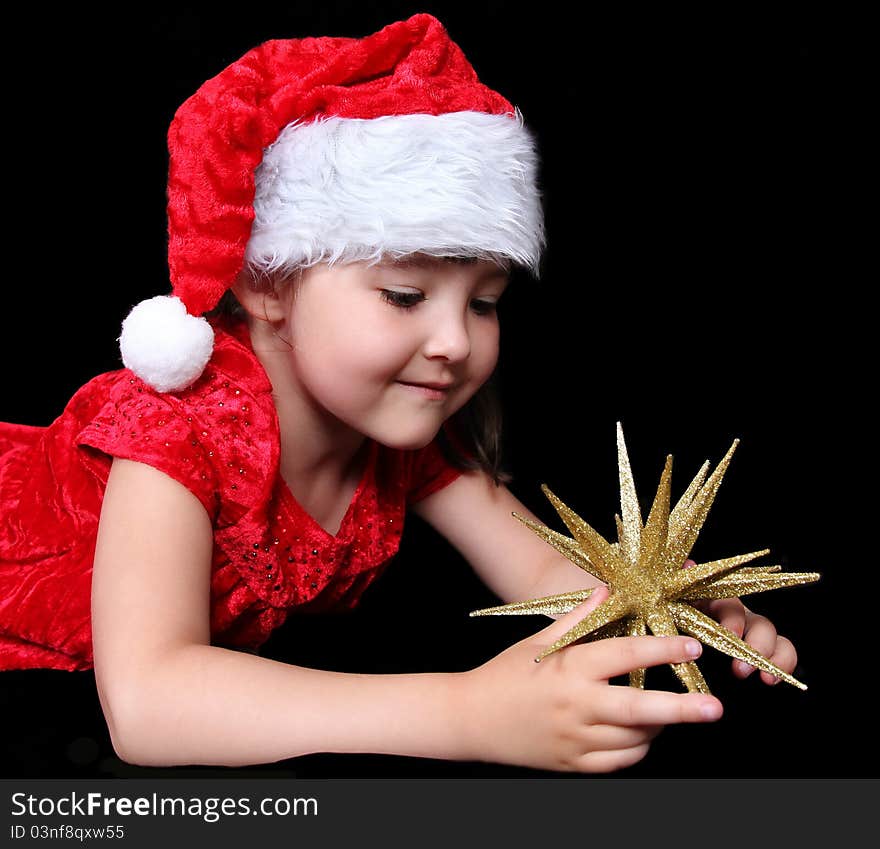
(346, 212)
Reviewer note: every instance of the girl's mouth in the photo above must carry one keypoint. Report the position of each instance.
(433, 391)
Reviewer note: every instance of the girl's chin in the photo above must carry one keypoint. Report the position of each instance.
(407, 441)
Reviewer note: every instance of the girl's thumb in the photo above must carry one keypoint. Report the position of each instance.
(566, 622)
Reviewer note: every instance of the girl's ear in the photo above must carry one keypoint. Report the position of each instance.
(265, 304)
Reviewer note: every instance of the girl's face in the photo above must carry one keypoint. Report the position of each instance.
(394, 349)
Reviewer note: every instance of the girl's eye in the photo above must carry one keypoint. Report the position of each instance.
(483, 307)
(404, 300)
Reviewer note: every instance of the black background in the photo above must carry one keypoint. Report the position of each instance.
(703, 185)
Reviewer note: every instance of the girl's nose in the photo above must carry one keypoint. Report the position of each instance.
(448, 338)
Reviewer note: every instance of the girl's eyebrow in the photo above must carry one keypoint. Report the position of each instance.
(425, 261)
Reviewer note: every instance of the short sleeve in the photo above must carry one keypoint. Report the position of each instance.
(138, 424)
(430, 471)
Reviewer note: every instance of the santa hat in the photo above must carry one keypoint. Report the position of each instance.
(332, 150)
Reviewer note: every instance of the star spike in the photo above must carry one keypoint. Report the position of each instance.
(661, 624)
(733, 586)
(683, 535)
(596, 548)
(708, 631)
(566, 546)
(688, 495)
(656, 530)
(631, 539)
(637, 628)
(612, 609)
(685, 579)
(551, 605)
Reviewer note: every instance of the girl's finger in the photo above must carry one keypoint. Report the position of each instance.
(729, 613)
(554, 631)
(629, 706)
(610, 737)
(612, 760)
(607, 658)
(761, 635)
(785, 657)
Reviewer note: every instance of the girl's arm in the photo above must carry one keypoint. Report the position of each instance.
(475, 516)
(171, 698)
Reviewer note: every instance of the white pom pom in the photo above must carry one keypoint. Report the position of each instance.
(164, 345)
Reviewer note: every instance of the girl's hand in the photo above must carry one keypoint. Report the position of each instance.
(758, 631)
(562, 713)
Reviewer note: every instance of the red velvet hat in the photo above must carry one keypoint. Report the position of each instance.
(332, 150)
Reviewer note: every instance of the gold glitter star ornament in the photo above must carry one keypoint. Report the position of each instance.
(650, 590)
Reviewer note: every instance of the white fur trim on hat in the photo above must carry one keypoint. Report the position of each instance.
(345, 189)
(164, 345)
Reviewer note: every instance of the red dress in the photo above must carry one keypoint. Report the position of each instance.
(220, 439)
